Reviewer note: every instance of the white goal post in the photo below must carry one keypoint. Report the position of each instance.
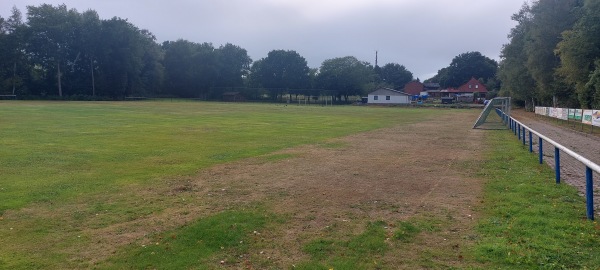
(502, 103)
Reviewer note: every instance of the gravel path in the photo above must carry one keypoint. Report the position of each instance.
(585, 144)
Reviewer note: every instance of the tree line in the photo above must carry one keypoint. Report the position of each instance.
(60, 52)
(553, 55)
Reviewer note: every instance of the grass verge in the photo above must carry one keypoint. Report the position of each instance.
(529, 222)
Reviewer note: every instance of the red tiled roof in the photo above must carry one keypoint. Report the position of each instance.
(472, 86)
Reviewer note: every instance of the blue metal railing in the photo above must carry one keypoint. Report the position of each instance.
(520, 130)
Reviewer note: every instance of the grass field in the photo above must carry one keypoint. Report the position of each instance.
(115, 185)
(65, 155)
(60, 151)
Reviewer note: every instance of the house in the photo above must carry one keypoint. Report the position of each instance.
(430, 86)
(414, 88)
(473, 86)
(432, 89)
(466, 92)
(388, 96)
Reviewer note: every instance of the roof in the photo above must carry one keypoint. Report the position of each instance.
(388, 91)
(414, 88)
(472, 86)
(431, 86)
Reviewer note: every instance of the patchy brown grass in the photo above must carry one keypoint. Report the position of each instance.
(421, 172)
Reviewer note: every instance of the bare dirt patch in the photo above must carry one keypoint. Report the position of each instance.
(419, 171)
(392, 174)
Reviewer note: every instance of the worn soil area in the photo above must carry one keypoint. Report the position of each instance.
(583, 143)
(424, 171)
(419, 171)
(392, 174)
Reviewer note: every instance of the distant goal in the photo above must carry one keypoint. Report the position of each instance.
(488, 120)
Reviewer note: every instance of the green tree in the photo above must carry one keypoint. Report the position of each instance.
(280, 71)
(466, 66)
(12, 60)
(395, 74)
(233, 65)
(347, 76)
(190, 68)
(516, 79)
(579, 50)
(593, 86)
(549, 18)
(52, 32)
(126, 53)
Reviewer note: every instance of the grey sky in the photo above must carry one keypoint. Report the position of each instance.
(423, 35)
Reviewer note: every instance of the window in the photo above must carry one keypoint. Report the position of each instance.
(477, 86)
(375, 97)
(387, 97)
(470, 86)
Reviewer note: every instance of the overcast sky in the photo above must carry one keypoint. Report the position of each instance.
(423, 35)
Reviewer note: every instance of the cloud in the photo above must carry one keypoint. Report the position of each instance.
(423, 35)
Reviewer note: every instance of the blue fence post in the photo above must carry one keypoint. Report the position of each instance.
(557, 164)
(519, 130)
(541, 150)
(524, 132)
(530, 142)
(514, 127)
(589, 193)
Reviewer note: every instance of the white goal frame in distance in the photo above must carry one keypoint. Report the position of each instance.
(502, 103)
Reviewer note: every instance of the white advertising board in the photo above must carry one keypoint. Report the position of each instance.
(565, 114)
(596, 118)
(552, 112)
(578, 114)
(587, 117)
(571, 113)
(558, 113)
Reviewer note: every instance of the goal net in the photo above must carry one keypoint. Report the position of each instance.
(488, 120)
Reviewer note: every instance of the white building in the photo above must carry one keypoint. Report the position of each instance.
(388, 96)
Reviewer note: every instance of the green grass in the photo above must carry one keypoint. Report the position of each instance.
(80, 161)
(357, 252)
(366, 250)
(67, 167)
(530, 222)
(194, 246)
(54, 151)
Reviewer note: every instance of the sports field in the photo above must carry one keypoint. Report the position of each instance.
(195, 185)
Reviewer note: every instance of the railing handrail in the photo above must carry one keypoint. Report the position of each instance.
(590, 164)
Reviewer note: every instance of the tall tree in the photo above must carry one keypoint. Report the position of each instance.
(513, 72)
(12, 59)
(395, 74)
(122, 61)
(280, 71)
(549, 19)
(190, 68)
(52, 32)
(579, 50)
(233, 65)
(466, 66)
(346, 75)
